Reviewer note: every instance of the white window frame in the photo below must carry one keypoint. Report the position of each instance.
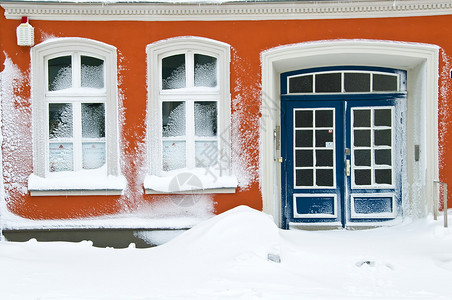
(217, 179)
(103, 181)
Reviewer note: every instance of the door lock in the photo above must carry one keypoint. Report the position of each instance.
(347, 167)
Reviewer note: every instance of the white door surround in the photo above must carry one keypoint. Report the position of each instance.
(421, 63)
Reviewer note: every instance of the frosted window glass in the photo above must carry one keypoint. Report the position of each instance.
(93, 120)
(60, 120)
(60, 157)
(60, 73)
(205, 70)
(206, 153)
(93, 155)
(205, 118)
(173, 72)
(173, 155)
(92, 72)
(173, 118)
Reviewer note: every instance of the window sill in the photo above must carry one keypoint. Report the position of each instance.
(83, 183)
(193, 181)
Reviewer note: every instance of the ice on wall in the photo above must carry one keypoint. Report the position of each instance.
(17, 141)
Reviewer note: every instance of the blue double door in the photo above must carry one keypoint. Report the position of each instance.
(342, 158)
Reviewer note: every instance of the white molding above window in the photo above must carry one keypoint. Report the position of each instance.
(106, 179)
(215, 178)
(234, 10)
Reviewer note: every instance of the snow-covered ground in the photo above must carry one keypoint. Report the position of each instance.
(226, 257)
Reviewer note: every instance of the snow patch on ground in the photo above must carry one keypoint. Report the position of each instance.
(226, 257)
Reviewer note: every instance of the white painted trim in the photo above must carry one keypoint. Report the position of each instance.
(315, 216)
(421, 63)
(158, 50)
(290, 10)
(51, 48)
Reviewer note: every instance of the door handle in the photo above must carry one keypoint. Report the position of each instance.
(347, 167)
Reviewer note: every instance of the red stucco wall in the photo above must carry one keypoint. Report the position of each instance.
(247, 39)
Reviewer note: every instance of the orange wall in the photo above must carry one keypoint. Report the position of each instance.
(247, 39)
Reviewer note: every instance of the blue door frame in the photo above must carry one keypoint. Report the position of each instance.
(341, 202)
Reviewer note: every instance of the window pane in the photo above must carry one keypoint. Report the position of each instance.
(303, 119)
(60, 157)
(384, 83)
(356, 82)
(205, 118)
(173, 72)
(363, 177)
(304, 158)
(304, 177)
(303, 138)
(60, 120)
(301, 84)
(92, 72)
(383, 176)
(93, 155)
(362, 158)
(205, 70)
(93, 120)
(323, 138)
(383, 137)
(361, 118)
(60, 73)
(383, 157)
(328, 83)
(382, 117)
(173, 118)
(324, 158)
(324, 177)
(206, 154)
(173, 155)
(324, 118)
(361, 138)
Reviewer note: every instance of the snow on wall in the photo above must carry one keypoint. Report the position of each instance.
(444, 109)
(16, 129)
(245, 125)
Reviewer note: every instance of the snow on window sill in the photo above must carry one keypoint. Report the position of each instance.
(85, 182)
(190, 181)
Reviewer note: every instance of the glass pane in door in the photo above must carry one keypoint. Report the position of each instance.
(314, 151)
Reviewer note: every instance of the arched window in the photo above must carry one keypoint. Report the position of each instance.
(75, 130)
(189, 114)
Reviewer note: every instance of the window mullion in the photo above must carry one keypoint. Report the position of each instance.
(190, 133)
(77, 136)
(189, 58)
(76, 70)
